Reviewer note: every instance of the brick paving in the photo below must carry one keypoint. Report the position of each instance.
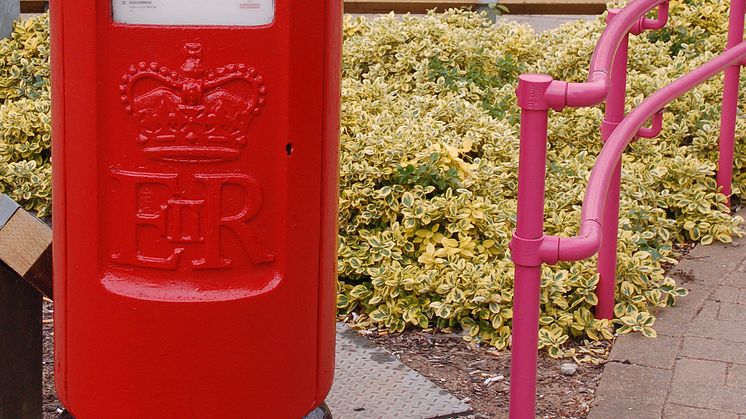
(696, 367)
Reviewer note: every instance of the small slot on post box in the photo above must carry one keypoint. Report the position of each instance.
(194, 13)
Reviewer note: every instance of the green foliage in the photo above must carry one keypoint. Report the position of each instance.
(507, 70)
(25, 158)
(429, 162)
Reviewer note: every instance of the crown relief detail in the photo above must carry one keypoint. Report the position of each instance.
(192, 115)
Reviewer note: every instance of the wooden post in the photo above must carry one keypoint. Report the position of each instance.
(25, 273)
(34, 6)
(20, 347)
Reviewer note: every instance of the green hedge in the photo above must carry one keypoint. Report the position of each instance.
(430, 157)
(25, 141)
(429, 163)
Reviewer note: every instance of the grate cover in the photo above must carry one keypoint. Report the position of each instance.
(370, 383)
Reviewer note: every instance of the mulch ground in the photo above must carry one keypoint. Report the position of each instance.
(52, 407)
(481, 375)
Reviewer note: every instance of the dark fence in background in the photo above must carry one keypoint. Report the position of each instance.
(548, 7)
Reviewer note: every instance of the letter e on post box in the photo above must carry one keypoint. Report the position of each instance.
(195, 150)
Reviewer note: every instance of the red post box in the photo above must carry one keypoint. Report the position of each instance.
(195, 188)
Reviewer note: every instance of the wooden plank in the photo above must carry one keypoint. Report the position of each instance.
(40, 274)
(20, 347)
(400, 6)
(545, 7)
(22, 240)
(539, 7)
(555, 7)
(34, 6)
(25, 245)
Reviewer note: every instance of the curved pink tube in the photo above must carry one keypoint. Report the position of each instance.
(580, 247)
(562, 94)
(598, 183)
(655, 128)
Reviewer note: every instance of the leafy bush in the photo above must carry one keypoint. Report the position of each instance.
(429, 164)
(25, 158)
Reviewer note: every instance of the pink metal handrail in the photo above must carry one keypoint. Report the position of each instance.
(606, 82)
(600, 178)
(594, 90)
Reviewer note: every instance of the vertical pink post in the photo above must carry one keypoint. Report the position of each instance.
(614, 115)
(730, 101)
(529, 231)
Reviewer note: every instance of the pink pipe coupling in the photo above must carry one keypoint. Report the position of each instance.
(594, 90)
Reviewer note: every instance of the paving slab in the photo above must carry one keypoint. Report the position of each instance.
(732, 312)
(736, 376)
(670, 322)
(639, 350)
(636, 392)
(713, 349)
(686, 412)
(542, 23)
(736, 279)
(729, 255)
(698, 293)
(370, 383)
(725, 294)
(710, 310)
(697, 365)
(727, 399)
(725, 331)
(698, 371)
(694, 269)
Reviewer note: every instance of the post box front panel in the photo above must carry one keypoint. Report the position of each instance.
(194, 179)
(191, 214)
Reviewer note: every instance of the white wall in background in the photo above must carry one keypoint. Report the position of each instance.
(9, 12)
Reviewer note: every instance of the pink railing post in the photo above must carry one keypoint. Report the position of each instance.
(614, 115)
(730, 101)
(526, 240)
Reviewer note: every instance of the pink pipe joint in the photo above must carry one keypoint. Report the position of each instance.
(656, 126)
(594, 90)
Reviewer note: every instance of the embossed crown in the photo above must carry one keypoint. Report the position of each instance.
(193, 115)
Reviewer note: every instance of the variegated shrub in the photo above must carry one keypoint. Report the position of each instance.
(25, 166)
(429, 163)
